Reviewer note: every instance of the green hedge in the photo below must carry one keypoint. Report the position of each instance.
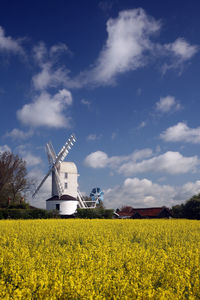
(94, 213)
(27, 214)
(19, 213)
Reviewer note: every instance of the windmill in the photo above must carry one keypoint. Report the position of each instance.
(54, 165)
(64, 178)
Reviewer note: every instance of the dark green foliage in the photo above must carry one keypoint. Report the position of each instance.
(20, 213)
(94, 213)
(189, 210)
(178, 211)
(13, 181)
(192, 208)
(22, 205)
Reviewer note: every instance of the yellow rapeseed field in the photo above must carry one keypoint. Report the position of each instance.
(99, 259)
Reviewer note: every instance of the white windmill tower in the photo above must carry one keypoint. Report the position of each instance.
(65, 194)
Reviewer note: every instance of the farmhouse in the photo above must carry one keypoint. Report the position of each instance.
(129, 212)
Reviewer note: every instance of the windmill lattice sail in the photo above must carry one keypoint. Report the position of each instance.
(64, 180)
(54, 162)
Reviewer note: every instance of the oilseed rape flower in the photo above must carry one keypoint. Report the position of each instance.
(99, 259)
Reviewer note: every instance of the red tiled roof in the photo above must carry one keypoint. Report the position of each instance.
(150, 212)
(126, 209)
(143, 212)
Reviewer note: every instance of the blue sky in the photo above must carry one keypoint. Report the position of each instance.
(123, 76)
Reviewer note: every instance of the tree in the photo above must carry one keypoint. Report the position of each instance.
(13, 179)
(192, 208)
(189, 210)
(178, 211)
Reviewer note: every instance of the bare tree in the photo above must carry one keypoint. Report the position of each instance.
(13, 179)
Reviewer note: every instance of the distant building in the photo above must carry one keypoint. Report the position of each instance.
(129, 212)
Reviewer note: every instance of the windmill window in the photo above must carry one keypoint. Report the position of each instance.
(65, 185)
(57, 206)
(66, 175)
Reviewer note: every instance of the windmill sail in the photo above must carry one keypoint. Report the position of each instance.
(57, 169)
(54, 162)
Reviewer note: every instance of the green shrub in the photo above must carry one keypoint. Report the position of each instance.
(22, 205)
(94, 213)
(27, 214)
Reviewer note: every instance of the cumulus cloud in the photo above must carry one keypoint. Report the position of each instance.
(169, 162)
(178, 52)
(128, 40)
(18, 134)
(130, 46)
(135, 163)
(181, 133)
(167, 104)
(8, 44)
(47, 110)
(100, 159)
(50, 75)
(182, 49)
(144, 193)
(30, 159)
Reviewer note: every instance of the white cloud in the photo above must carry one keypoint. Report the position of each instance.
(182, 49)
(128, 39)
(31, 159)
(50, 77)
(97, 159)
(179, 52)
(181, 133)
(50, 74)
(100, 159)
(169, 162)
(167, 104)
(129, 46)
(144, 193)
(40, 53)
(5, 148)
(93, 137)
(18, 134)
(8, 44)
(47, 110)
(58, 49)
